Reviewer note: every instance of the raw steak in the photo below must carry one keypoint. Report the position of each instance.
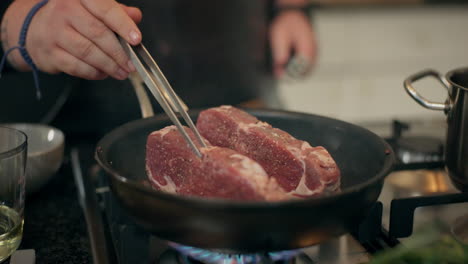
(221, 172)
(302, 170)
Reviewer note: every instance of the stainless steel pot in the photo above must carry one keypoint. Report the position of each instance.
(456, 110)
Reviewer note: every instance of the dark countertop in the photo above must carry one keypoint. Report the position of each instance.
(55, 226)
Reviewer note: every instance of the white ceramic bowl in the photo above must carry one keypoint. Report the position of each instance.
(45, 153)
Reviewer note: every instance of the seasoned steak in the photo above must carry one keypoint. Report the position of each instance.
(220, 173)
(299, 168)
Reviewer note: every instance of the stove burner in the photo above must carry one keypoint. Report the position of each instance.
(216, 257)
(419, 182)
(419, 149)
(415, 149)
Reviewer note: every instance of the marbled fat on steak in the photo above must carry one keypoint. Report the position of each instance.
(302, 170)
(220, 173)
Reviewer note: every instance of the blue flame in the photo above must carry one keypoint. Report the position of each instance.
(213, 257)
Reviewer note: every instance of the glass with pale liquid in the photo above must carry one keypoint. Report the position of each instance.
(13, 154)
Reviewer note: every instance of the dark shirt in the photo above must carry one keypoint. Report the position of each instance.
(212, 52)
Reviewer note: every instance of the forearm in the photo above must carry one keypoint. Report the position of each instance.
(298, 3)
(11, 24)
(287, 6)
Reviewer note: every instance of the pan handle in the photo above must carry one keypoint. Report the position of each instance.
(143, 99)
(408, 84)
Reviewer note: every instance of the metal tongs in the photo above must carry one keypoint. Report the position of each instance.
(162, 91)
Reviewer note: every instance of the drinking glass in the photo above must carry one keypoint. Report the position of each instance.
(13, 154)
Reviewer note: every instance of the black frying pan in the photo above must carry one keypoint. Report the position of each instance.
(363, 157)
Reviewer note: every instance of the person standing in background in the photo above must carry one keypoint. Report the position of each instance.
(212, 52)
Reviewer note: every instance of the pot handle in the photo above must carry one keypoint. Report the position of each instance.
(408, 84)
(143, 99)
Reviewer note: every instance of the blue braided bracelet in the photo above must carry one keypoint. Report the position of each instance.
(21, 46)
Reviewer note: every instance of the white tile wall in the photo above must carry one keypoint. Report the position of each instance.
(365, 55)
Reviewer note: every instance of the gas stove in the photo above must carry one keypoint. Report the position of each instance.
(418, 191)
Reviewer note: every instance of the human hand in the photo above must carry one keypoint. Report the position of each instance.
(291, 31)
(75, 36)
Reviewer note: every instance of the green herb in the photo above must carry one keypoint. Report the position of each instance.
(431, 245)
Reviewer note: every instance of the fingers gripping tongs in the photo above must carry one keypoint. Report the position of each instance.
(158, 85)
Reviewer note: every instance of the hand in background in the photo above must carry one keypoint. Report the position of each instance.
(74, 36)
(290, 32)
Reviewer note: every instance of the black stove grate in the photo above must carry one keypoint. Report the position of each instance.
(402, 210)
